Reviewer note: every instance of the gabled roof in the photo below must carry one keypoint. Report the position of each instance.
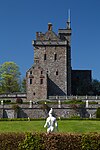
(50, 35)
(34, 66)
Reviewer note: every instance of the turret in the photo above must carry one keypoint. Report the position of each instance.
(65, 34)
(68, 21)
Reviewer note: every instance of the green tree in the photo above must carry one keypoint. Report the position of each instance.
(98, 112)
(83, 87)
(96, 87)
(9, 77)
(23, 87)
(88, 88)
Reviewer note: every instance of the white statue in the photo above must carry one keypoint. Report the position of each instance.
(51, 122)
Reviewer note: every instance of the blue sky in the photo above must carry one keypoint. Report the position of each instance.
(21, 19)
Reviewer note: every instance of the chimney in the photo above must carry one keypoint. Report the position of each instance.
(49, 26)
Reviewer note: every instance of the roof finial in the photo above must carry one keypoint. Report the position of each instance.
(68, 21)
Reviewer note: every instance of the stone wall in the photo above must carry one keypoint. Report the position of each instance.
(55, 68)
(13, 97)
(39, 113)
(36, 111)
(36, 83)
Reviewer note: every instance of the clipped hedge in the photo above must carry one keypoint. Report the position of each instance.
(40, 119)
(91, 141)
(32, 142)
(10, 141)
(62, 141)
(21, 119)
(54, 141)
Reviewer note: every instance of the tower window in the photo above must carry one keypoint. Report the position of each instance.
(30, 81)
(34, 93)
(30, 72)
(56, 72)
(41, 81)
(47, 71)
(36, 60)
(41, 72)
(45, 57)
(55, 56)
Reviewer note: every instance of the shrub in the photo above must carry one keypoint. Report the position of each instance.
(74, 106)
(74, 101)
(32, 142)
(53, 141)
(15, 108)
(62, 141)
(19, 101)
(6, 101)
(45, 108)
(75, 117)
(98, 112)
(10, 141)
(91, 141)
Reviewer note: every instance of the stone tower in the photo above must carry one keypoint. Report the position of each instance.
(51, 73)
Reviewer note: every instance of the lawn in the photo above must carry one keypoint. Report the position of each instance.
(71, 126)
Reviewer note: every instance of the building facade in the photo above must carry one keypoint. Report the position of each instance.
(51, 73)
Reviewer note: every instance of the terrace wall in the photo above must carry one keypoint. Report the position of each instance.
(36, 111)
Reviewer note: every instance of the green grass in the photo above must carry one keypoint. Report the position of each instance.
(81, 126)
(71, 126)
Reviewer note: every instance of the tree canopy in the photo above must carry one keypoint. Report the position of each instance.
(23, 85)
(9, 77)
(96, 87)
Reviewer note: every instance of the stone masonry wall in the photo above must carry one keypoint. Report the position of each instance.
(56, 69)
(36, 83)
(36, 111)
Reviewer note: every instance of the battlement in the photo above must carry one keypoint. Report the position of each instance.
(47, 42)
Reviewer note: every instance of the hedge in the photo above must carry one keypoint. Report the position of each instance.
(10, 141)
(39, 119)
(54, 141)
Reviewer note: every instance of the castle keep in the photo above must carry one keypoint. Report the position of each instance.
(51, 73)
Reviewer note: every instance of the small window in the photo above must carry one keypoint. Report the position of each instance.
(30, 72)
(41, 81)
(30, 81)
(34, 93)
(56, 72)
(45, 57)
(36, 61)
(47, 71)
(55, 56)
(41, 71)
